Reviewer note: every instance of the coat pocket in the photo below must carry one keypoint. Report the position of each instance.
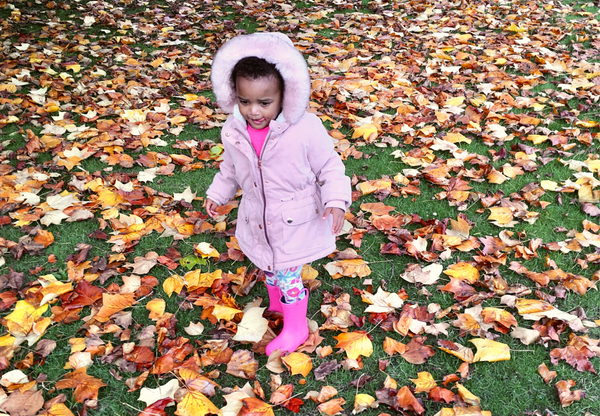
(243, 230)
(303, 228)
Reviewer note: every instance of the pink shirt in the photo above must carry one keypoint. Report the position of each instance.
(257, 137)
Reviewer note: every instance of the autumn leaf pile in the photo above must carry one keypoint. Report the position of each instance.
(102, 101)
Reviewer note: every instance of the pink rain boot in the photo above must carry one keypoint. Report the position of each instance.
(295, 327)
(274, 298)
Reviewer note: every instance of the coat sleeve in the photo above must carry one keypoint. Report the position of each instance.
(328, 167)
(224, 185)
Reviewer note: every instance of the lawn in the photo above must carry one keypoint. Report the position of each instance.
(465, 276)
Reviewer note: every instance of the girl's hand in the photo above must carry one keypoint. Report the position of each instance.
(211, 207)
(338, 219)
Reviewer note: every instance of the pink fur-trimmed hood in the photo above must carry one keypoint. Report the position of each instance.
(275, 48)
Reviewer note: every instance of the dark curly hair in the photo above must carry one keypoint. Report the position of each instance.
(252, 67)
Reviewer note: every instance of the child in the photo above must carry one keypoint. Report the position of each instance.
(294, 189)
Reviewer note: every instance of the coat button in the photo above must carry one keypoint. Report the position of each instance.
(278, 127)
(289, 220)
(227, 134)
(269, 223)
(267, 181)
(237, 143)
(316, 211)
(260, 226)
(255, 185)
(269, 267)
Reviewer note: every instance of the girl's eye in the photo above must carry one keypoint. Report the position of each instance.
(265, 104)
(244, 102)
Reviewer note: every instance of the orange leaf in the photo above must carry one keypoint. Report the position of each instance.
(332, 407)
(44, 237)
(298, 363)
(526, 306)
(440, 394)
(112, 304)
(86, 387)
(546, 374)
(565, 395)
(391, 346)
(255, 407)
(408, 401)
(355, 344)
(377, 208)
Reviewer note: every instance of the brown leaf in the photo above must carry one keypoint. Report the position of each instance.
(416, 352)
(243, 364)
(565, 395)
(27, 403)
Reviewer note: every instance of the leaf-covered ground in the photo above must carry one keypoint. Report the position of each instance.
(465, 281)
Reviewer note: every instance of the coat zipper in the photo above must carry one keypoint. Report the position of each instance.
(262, 188)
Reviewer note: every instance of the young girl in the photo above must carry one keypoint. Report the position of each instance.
(294, 189)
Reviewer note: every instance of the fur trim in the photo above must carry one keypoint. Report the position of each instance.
(275, 48)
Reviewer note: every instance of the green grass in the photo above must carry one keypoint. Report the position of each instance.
(505, 388)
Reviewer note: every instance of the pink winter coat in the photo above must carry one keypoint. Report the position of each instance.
(286, 189)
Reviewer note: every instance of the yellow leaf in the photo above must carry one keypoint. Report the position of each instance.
(502, 215)
(349, 268)
(548, 185)
(467, 396)
(593, 165)
(308, 272)
(496, 177)
(173, 284)
(463, 271)
(537, 138)
(424, 382)
(195, 279)
(298, 363)
(355, 344)
(58, 409)
(456, 138)
(363, 402)
(454, 101)
(21, 320)
(366, 131)
(156, 308)
(74, 67)
(488, 350)
(515, 28)
(195, 403)
(77, 344)
(225, 312)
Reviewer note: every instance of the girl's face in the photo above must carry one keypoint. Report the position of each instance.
(259, 100)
